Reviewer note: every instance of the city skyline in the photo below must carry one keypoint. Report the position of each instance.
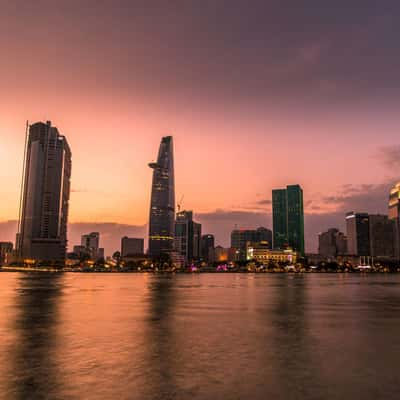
(199, 199)
(141, 230)
(228, 93)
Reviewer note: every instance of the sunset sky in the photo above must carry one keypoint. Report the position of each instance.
(257, 94)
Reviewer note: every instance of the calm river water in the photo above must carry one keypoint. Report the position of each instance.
(208, 336)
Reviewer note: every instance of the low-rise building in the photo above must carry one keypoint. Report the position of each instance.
(81, 251)
(261, 252)
(222, 254)
(6, 249)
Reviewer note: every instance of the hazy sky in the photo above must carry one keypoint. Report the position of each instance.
(257, 94)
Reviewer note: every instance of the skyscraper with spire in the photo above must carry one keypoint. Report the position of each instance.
(45, 190)
(162, 204)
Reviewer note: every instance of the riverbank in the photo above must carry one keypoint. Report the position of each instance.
(186, 271)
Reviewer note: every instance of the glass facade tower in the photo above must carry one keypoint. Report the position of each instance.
(295, 214)
(288, 218)
(45, 190)
(162, 205)
(358, 235)
(279, 218)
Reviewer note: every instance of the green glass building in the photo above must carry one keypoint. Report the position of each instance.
(288, 218)
(279, 214)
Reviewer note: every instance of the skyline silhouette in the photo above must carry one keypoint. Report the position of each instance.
(220, 220)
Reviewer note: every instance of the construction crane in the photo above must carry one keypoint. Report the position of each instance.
(179, 204)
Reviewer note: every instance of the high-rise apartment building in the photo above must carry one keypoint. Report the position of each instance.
(332, 243)
(357, 231)
(196, 240)
(394, 202)
(187, 236)
(42, 228)
(264, 235)
(288, 218)
(381, 236)
(394, 215)
(370, 235)
(207, 245)
(131, 246)
(90, 242)
(241, 237)
(162, 206)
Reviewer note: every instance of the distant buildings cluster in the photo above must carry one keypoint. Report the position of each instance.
(367, 236)
(176, 236)
(89, 247)
(332, 243)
